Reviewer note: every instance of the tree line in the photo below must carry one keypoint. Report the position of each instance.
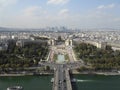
(99, 59)
(29, 55)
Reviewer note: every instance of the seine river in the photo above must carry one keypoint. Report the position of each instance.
(84, 82)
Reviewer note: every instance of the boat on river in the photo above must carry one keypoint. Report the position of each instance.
(52, 80)
(15, 88)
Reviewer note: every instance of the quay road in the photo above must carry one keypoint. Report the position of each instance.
(70, 65)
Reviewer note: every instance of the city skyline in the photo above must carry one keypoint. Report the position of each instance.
(68, 13)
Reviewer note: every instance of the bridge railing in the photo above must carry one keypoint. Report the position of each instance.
(55, 86)
(68, 80)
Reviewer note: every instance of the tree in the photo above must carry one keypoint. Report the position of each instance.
(99, 59)
(108, 47)
(47, 68)
(59, 38)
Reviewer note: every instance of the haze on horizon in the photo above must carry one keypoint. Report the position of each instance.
(51, 13)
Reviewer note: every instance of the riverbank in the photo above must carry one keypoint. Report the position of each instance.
(28, 74)
(95, 73)
(73, 72)
(2, 75)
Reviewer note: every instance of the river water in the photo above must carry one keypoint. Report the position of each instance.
(84, 82)
(97, 82)
(28, 82)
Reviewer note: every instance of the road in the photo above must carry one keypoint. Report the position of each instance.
(70, 65)
(62, 79)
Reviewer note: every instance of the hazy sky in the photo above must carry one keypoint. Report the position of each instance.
(69, 13)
